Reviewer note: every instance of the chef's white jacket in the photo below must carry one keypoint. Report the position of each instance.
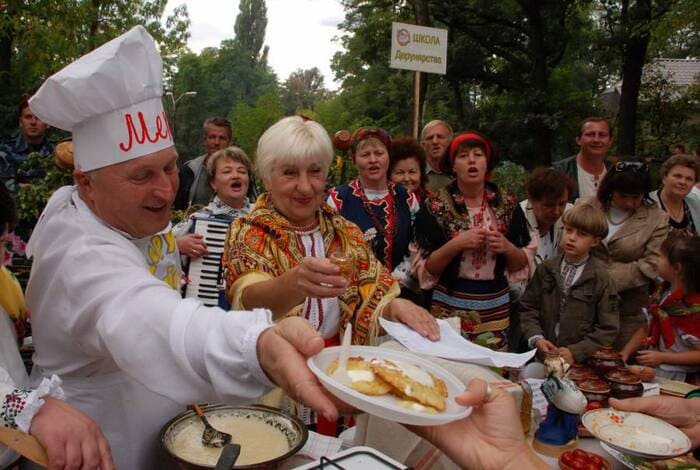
(130, 351)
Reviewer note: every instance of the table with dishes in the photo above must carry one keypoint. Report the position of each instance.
(268, 435)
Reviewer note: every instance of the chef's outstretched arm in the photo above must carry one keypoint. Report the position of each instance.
(283, 350)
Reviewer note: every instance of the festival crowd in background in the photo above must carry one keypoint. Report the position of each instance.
(596, 255)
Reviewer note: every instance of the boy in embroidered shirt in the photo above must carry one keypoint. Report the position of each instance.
(571, 304)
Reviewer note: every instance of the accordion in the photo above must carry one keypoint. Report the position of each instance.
(205, 274)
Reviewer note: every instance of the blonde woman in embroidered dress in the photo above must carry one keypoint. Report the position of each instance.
(230, 174)
(278, 256)
(636, 229)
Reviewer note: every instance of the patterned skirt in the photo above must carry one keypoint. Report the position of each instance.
(482, 306)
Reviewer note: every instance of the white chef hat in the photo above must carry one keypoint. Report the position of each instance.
(111, 100)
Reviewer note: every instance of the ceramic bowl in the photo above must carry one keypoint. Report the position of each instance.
(290, 427)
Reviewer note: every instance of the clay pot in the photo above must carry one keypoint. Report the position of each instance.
(624, 384)
(342, 140)
(644, 373)
(595, 389)
(579, 372)
(604, 360)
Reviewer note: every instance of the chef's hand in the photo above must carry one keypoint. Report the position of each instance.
(72, 440)
(283, 350)
(417, 318)
(490, 438)
(192, 245)
(680, 412)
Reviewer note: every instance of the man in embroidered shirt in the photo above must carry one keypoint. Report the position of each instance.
(435, 138)
(589, 166)
(194, 182)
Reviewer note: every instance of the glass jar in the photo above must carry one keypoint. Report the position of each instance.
(526, 407)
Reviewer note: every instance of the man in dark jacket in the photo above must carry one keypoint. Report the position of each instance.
(588, 167)
(194, 182)
(30, 138)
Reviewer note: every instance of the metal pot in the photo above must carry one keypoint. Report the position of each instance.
(294, 430)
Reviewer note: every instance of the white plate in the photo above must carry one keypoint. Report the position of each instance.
(637, 463)
(636, 433)
(387, 406)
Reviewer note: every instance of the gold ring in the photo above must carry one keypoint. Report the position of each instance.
(489, 392)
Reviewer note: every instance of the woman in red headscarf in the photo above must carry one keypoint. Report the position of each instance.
(467, 249)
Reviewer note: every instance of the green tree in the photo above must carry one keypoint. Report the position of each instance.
(302, 89)
(665, 113)
(250, 27)
(40, 37)
(629, 25)
(251, 121)
(516, 69)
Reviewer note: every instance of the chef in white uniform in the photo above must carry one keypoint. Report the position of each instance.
(103, 291)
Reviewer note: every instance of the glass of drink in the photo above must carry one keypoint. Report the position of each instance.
(345, 262)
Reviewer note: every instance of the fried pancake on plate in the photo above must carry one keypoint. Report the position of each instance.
(363, 379)
(412, 382)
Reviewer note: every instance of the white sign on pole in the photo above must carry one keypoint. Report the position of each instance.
(418, 48)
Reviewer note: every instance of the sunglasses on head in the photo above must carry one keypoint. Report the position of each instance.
(633, 166)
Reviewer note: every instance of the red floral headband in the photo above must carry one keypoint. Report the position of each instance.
(364, 133)
(458, 140)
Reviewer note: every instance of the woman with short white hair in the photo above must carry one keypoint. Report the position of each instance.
(278, 256)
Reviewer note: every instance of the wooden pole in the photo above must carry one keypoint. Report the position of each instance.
(416, 104)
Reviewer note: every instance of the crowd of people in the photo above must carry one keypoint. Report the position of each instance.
(567, 270)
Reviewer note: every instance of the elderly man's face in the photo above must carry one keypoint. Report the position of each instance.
(435, 141)
(134, 196)
(297, 190)
(31, 126)
(216, 138)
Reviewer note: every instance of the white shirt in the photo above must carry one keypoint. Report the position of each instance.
(131, 352)
(588, 183)
(323, 314)
(620, 217)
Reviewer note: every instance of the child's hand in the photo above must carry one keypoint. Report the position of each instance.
(545, 346)
(650, 358)
(565, 353)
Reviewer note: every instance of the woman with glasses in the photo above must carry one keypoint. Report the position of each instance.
(383, 210)
(678, 176)
(636, 229)
(467, 249)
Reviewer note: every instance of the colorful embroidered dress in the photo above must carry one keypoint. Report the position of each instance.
(385, 217)
(674, 327)
(473, 286)
(264, 245)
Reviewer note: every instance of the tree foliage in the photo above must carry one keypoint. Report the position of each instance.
(224, 78)
(251, 121)
(302, 90)
(250, 27)
(40, 37)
